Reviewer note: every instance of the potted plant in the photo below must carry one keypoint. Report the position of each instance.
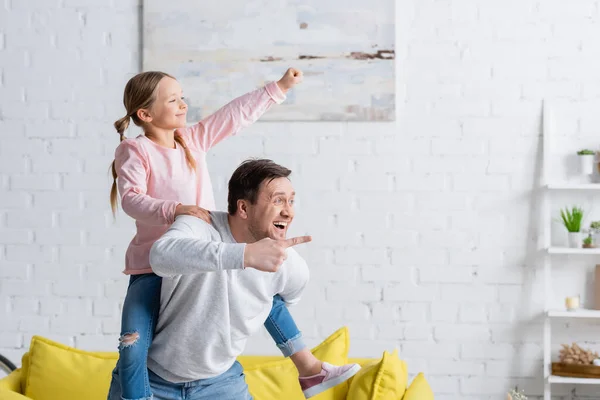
(588, 242)
(516, 394)
(595, 232)
(571, 219)
(586, 161)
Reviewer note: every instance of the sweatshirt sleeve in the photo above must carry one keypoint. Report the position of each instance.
(234, 116)
(188, 248)
(295, 277)
(132, 174)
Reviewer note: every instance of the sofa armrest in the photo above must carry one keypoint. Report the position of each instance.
(12, 382)
(6, 394)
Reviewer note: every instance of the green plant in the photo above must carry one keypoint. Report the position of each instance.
(516, 394)
(595, 225)
(585, 152)
(572, 218)
(588, 240)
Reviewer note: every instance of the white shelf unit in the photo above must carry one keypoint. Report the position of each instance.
(573, 381)
(546, 220)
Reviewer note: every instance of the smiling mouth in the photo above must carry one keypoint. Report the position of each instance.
(280, 225)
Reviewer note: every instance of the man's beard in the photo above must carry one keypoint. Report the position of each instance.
(256, 231)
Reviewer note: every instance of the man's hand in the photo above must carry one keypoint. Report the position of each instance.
(267, 254)
(291, 78)
(193, 210)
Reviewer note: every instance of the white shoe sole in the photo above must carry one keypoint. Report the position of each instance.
(321, 387)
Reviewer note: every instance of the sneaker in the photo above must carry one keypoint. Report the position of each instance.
(330, 376)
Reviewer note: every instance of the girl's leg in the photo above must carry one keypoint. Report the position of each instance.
(140, 313)
(282, 328)
(314, 376)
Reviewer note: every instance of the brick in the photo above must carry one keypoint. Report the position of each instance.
(446, 274)
(408, 291)
(82, 254)
(470, 147)
(399, 146)
(14, 164)
(38, 182)
(26, 305)
(63, 200)
(31, 219)
(473, 313)
(353, 293)
(376, 182)
(461, 332)
(362, 256)
(444, 312)
(14, 270)
(29, 253)
(428, 182)
(464, 293)
(74, 324)
(76, 288)
(292, 146)
(17, 146)
(384, 273)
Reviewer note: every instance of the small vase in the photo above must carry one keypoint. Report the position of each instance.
(575, 240)
(587, 164)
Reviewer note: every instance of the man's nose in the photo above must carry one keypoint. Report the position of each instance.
(287, 211)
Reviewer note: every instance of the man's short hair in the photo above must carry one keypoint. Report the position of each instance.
(246, 179)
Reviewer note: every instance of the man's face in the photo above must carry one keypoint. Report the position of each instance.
(273, 211)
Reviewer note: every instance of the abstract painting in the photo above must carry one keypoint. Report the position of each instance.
(221, 49)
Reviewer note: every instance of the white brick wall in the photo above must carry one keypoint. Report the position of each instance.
(423, 229)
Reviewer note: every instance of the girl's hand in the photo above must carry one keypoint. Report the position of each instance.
(193, 210)
(291, 78)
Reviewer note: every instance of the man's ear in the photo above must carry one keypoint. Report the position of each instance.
(144, 115)
(242, 209)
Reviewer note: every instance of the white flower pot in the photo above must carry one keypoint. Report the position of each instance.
(587, 164)
(575, 239)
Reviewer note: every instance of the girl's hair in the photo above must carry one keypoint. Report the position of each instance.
(140, 92)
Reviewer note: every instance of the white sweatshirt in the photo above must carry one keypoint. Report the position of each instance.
(209, 304)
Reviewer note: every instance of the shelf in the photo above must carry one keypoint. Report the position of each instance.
(572, 250)
(573, 381)
(573, 186)
(581, 313)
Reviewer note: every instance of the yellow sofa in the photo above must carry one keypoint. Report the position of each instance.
(52, 371)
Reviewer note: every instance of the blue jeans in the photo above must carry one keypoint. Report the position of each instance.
(230, 385)
(138, 323)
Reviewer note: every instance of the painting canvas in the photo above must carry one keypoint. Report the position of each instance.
(222, 49)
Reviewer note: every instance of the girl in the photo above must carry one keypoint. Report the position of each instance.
(162, 174)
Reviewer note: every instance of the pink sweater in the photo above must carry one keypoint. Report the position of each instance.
(152, 180)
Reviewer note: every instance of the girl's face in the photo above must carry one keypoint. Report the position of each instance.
(169, 109)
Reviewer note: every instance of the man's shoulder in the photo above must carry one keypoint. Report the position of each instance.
(196, 225)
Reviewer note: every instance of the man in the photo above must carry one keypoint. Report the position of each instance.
(217, 290)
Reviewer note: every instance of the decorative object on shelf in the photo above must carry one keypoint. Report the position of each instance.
(576, 370)
(572, 303)
(595, 233)
(597, 287)
(588, 241)
(571, 219)
(576, 355)
(515, 394)
(586, 161)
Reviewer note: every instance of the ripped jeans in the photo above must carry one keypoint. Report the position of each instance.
(138, 323)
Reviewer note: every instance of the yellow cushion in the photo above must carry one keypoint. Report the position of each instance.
(57, 372)
(384, 379)
(278, 378)
(419, 389)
